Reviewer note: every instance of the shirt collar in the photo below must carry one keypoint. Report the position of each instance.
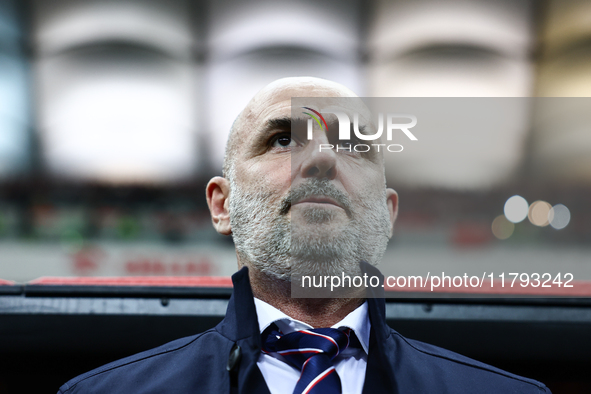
(358, 321)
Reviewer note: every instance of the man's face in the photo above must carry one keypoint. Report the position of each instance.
(297, 210)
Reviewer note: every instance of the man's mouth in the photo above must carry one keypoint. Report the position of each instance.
(318, 200)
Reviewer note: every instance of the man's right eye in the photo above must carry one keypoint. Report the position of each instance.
(283, 141)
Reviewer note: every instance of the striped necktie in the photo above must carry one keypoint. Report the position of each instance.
(310, 351)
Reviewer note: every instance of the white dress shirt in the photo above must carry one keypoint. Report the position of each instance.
(281, 377)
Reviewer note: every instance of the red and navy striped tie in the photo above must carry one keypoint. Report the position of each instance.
(311, 351)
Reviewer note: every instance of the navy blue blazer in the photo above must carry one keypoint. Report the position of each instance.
(224, 360)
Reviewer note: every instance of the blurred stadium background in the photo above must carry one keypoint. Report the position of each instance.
(114, 115)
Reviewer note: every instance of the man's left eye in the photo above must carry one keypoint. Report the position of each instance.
(283, 141)
(345, 144)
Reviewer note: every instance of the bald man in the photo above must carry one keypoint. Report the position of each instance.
(293, 208)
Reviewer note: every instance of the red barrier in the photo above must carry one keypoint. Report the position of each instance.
(157, 281)
(497, 288)
(578, 289)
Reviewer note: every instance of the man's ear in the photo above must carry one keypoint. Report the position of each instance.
(392, 201)
(217, 193)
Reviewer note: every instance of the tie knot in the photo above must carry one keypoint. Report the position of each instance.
(311, 351)
(301, 345)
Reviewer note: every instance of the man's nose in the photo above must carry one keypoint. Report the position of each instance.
(320, 161)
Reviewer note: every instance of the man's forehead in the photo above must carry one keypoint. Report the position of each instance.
(275, 100)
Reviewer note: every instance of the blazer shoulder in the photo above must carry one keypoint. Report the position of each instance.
(206, 340)
(446, 358)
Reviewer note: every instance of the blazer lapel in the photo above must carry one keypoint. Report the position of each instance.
(241, 326)
(379, 375)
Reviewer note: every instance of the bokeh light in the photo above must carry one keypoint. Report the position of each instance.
(559, 216)
(516, 209)
(502, 228)
(538, 213)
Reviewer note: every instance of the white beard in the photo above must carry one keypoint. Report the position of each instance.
(267, 241)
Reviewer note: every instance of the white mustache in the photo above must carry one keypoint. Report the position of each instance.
(315, 188)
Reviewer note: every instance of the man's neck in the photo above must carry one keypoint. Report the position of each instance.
(317, 312)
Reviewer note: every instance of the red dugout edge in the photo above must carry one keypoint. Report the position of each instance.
(155, 281)
(497, 288)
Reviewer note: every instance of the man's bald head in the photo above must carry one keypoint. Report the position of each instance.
(277, 91)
